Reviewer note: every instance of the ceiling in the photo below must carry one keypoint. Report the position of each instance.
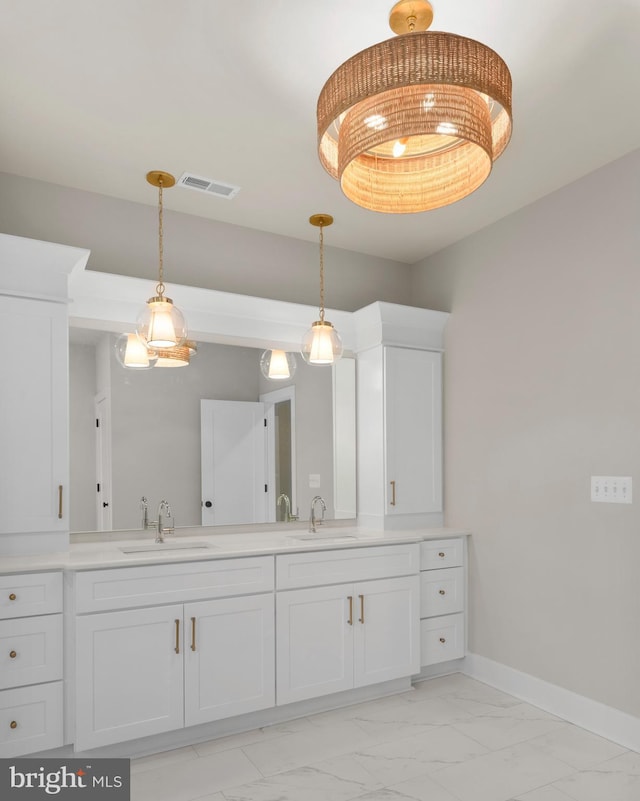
(94, 95)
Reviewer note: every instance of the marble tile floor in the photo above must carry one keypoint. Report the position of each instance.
(448, 739)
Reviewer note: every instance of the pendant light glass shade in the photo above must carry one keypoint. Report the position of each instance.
(322, 343)
(161, 324)
(132, 353)
(277, 365)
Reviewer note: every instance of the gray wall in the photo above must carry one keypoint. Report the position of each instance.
(542, 391)
(82, 436)
(122, 237)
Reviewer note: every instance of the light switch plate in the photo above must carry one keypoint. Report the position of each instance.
(611, 489)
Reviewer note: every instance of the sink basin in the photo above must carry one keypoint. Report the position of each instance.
(325, 535)
(166, 546)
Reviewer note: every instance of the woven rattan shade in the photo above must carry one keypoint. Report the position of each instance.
(447, 96)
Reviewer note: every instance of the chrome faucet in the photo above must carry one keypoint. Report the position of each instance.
(284, 498)
(161, 526)
(312, 517)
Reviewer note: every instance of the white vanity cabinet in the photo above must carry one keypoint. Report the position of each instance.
(400, 437)
(335, 635)
(33, 417)
(31, 713)
(442, 600)
(204, 654)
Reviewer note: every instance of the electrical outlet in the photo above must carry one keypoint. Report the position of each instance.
(611, 489)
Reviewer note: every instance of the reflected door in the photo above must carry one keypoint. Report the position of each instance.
(234, 484)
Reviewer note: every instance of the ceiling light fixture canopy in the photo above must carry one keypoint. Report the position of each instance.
(322, 343)
(415, 122)
(161, 324)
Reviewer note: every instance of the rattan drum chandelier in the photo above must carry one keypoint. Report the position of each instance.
(415, 122)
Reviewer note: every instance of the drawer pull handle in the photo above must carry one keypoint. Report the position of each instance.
(193, 634)
(442, 640)
(393, 493)
(13, 725)
(442, 554)
(361, 618)
(12, 597)
(350, 621)
(442, 592)
(177, 648)
(13, 654)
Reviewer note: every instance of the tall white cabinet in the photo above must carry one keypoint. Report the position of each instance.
(399, 382)
(34, 457)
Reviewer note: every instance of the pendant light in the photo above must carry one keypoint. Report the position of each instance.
(132, 353)
(415, 122)
(321, 344)
(180, 356)
(161, 325)
(277, 365)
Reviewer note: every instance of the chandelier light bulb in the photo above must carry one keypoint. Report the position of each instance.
(132, 353)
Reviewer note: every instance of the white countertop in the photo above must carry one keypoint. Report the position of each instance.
(106, 549)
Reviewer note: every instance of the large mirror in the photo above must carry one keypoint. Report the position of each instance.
(137, 434)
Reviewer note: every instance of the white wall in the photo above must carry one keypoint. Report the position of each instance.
(542, 390)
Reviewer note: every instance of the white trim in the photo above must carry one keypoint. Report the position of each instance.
(603, 720)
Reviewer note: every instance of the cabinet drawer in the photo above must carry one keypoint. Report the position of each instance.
(30, 719)
(295, 570)
(101, 590)
(24, 594)
(441, 639)
(30, 650)
(435, 554)
(441, 591)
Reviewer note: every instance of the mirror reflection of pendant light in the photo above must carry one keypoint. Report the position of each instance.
(415, 122)
(179, 356)
(277, 365)
(132, 353)
(321, 344)
(161, 325)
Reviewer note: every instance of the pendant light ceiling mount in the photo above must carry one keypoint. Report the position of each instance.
(415, 122)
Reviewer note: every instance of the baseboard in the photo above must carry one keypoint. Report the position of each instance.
(605, 721)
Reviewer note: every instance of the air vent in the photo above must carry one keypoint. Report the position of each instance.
(200, 184)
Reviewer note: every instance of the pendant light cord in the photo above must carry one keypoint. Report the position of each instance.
(160, 285)
(321, 274)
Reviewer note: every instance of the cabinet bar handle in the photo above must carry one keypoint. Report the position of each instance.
(361, 618)
(393, 493)
(13, 725)
(177, 648)
(442, 592)
(59, 501)
(350, 621)
(12, 597)
(193, 634)
(13, 654)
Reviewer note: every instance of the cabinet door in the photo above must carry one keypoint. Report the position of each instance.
(387, 629)
(314, 642)
(229, 657)
(413, 430)
(33, 416)
(129, 675)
